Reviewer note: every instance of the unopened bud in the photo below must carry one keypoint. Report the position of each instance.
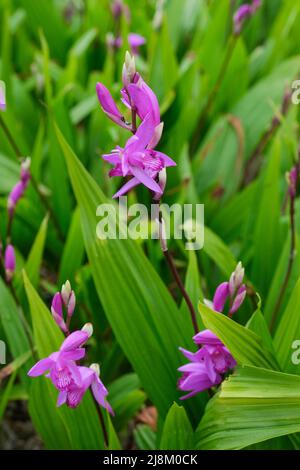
(2, 96)
(236, 278)
(66, 292)
(9, 262)
(95, 368)
(88, 328)
(25, 173)
(129, 69)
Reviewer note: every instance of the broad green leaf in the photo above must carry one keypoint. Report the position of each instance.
(253, 405)
(258, 325)
(216, 249)
(192, 283)
(177, 432)
(246, 347)
(73, 251)
(13, 327)
(267, 217)
(288, 331)
(33, 263)
(145, 437)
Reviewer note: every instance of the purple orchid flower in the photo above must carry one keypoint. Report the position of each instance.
(89, 377)
(207, 366)
(61, 364)
(139, 160)
(9, 262)
(2, 96)
(135, 42)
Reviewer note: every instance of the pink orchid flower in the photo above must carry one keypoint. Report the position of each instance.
(139, 160)
(89, 378)
(61, 365)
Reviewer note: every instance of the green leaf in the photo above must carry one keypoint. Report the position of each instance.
(288, 331)
(216, 249)
(12, 325)
(177, 432)
(267, 216)
(192, 284)
(145, 437)
(253, 405)
(60, 428)
(258, 325)
(73, 251)
(246, 347)
(33, 263)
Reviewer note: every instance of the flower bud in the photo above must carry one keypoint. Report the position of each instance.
(66, 292)
(236, 278)
(2, 96)
(292, 178)
(239, 299)
(220, 297)
(9, 262)
(57, 312)
(25, 173)
(88, 328)
(129, 69)
(71, 304)
(95, 368)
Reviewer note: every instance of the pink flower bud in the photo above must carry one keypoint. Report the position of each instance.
(220, 297)
(15, 195)
(25, 173)
(2, 96)
(239, 299)
(71, 304)
(88, 328)
(109, 106)
(236, 279)
(241, 15)
(57, 312)
(9, 262)
(292, 178)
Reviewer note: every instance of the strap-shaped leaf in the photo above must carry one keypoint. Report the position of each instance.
(246, 347)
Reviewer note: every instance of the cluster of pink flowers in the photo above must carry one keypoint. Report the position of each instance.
(213, 360)
(69, 378)
(138, 159)
(244, 12)
(135, 41)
